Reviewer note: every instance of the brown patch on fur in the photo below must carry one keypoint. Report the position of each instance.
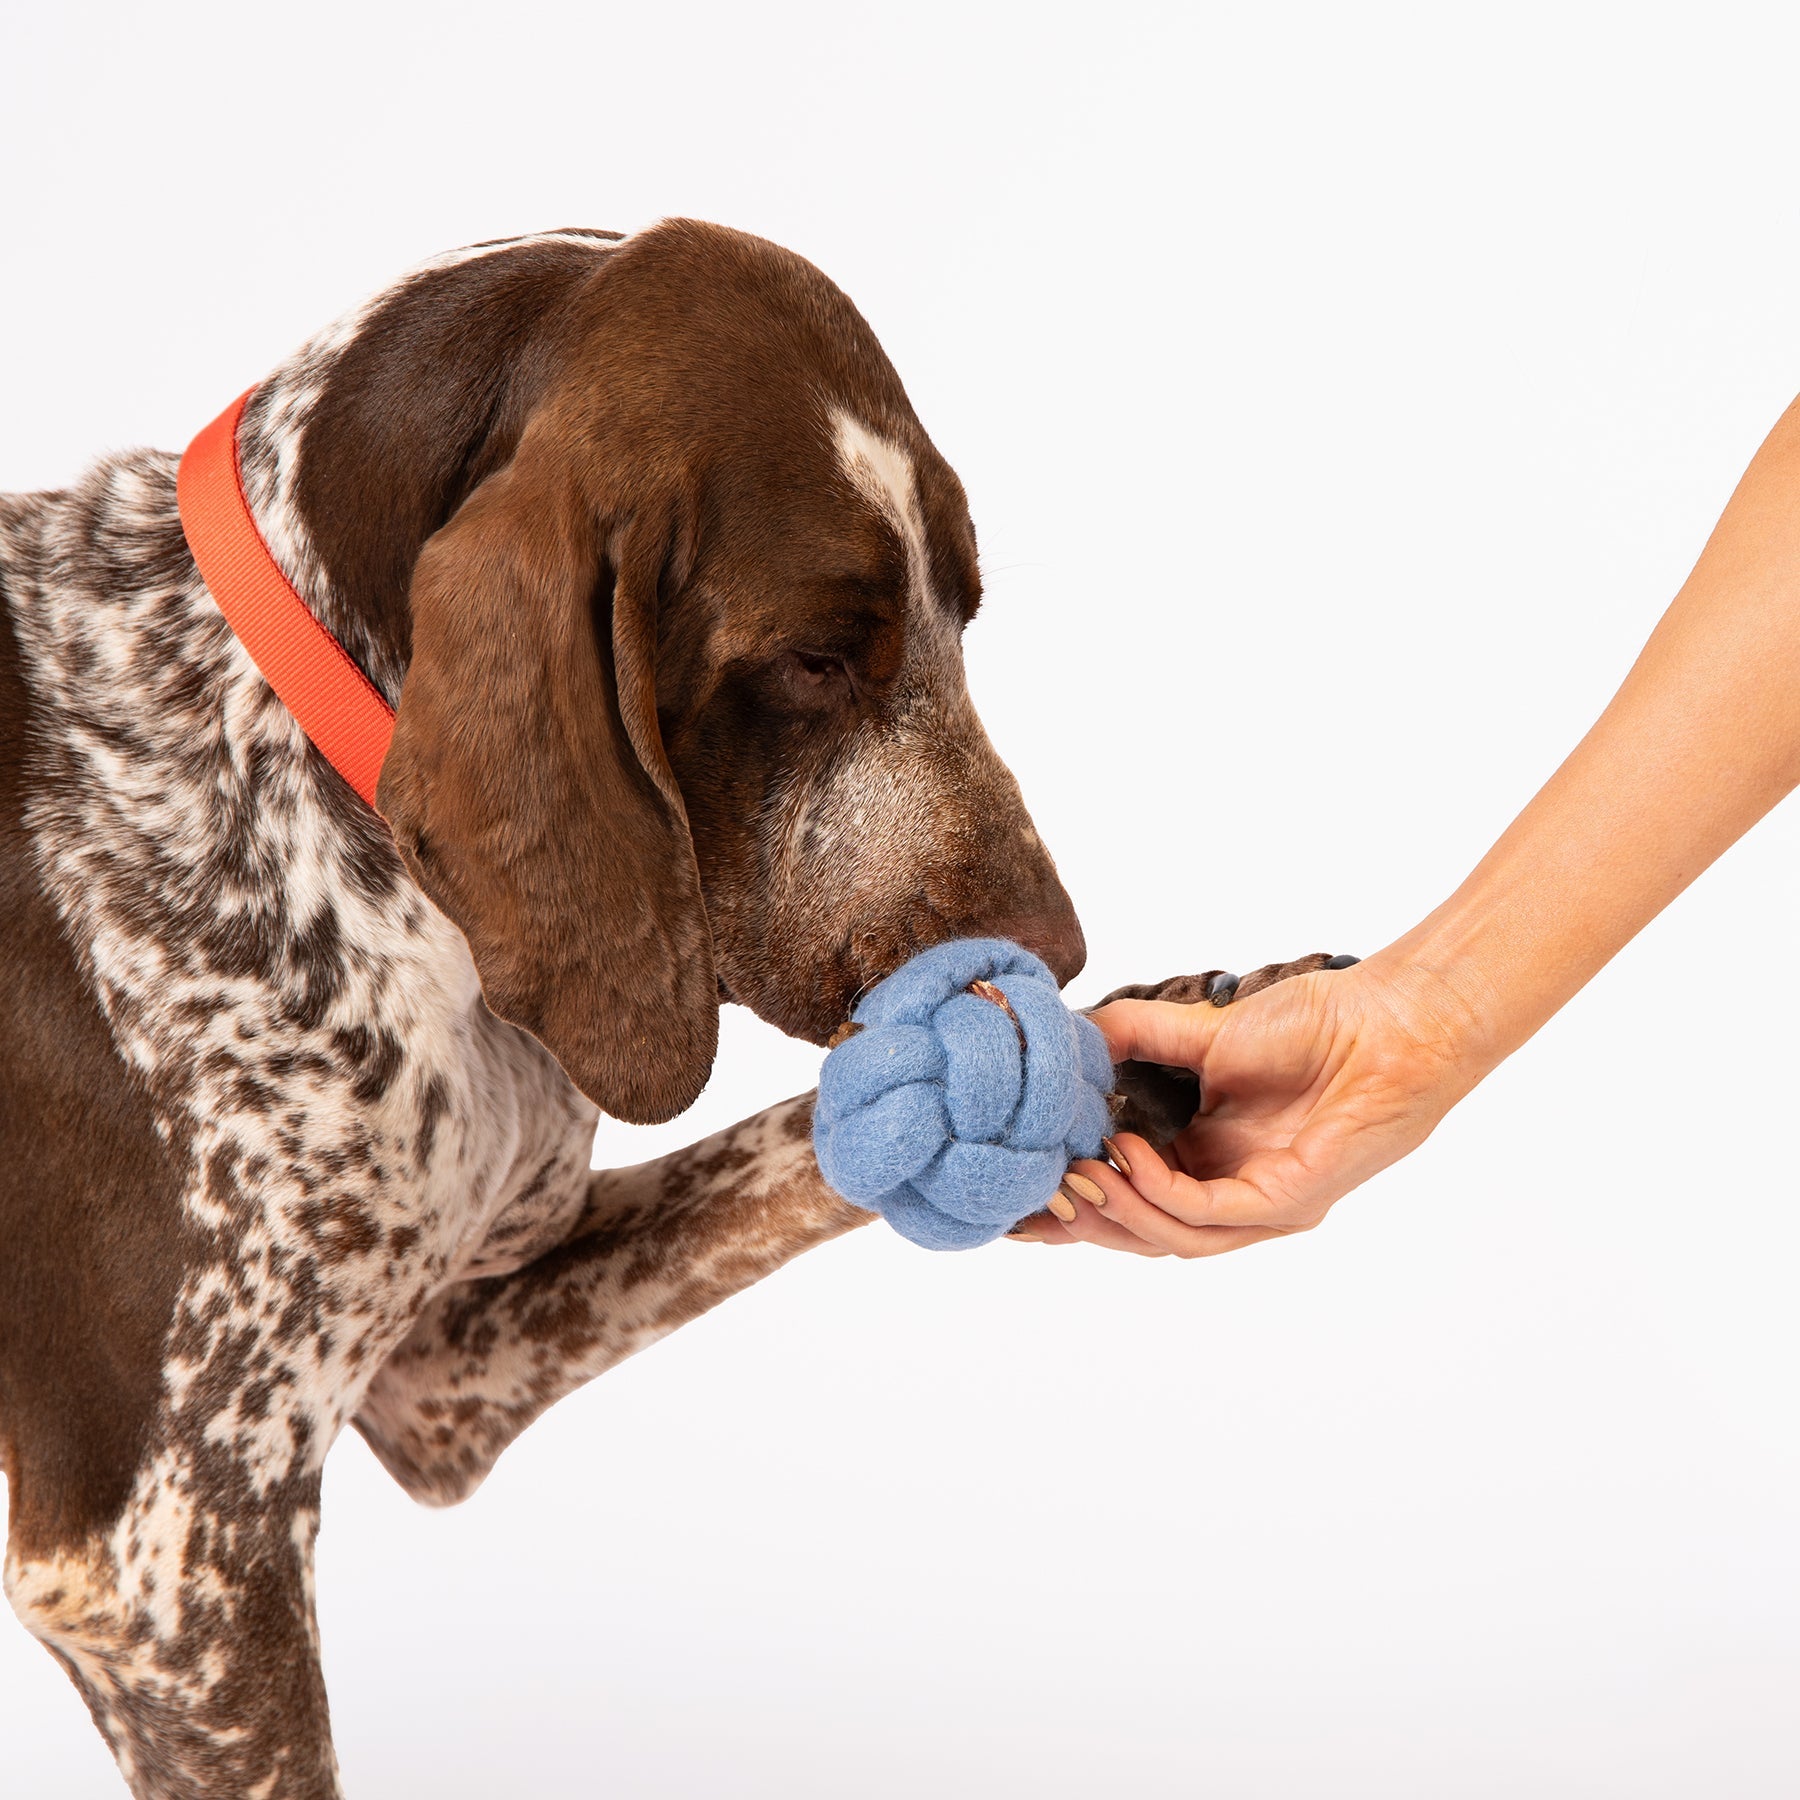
(656, 1246)
(92, 1241)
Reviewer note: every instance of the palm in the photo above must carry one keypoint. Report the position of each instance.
(1270, 1064)
(1308, 1087)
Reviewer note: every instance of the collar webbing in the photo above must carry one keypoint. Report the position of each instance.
(334, 701)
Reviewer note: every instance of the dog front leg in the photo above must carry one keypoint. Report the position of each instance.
(656, 1246)
(187, 1624)
(1158, 1102)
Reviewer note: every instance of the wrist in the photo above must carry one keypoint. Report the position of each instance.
(1450, 1000)
(1494, 963)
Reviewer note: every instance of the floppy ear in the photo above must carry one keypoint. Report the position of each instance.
(529, 793)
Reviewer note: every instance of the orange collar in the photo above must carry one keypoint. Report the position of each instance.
(311, 672)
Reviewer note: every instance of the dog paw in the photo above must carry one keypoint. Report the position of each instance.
(1158, 1100)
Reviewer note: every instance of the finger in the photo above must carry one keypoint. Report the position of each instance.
(1158, 1031)
(1272, 1188)
(1126, 1209)
(1133, 1223)
(1132, 1153)
(1088, 1227)
(1100, 1183)
(1092, 1225)
(1104, 1189)
(1040, 1228)
(1131, 1212)
(1206, 1150)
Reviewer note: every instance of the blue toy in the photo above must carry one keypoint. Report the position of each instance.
(964, 1093)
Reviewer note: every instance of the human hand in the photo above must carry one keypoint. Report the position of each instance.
(1313, 1085)
(1308, 1088)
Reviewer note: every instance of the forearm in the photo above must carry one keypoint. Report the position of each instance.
(1701, 740)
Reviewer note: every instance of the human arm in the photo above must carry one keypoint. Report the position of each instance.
(1316, 1084)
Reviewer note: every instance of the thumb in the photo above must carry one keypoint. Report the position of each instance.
(1160, 1031)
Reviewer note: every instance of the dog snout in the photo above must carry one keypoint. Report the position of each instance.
(1020, 896)
(1043, 921)
(1051, 931)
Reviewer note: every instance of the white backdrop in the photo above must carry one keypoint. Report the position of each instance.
(1342, 394)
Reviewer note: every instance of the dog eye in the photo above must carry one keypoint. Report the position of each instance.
(814, 681)
(816, 667)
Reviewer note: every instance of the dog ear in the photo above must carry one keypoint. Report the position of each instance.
(529, 792)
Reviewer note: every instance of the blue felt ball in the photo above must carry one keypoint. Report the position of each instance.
(937, 1116)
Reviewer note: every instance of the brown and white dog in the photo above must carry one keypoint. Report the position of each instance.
(296, 1105)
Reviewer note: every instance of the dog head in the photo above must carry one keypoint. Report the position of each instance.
(683, 713)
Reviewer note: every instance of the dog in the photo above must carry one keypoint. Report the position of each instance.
(643, 541)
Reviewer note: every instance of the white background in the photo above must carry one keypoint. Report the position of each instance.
(1342, 393)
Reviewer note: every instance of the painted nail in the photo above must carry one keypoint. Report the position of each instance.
(1116, 1157)
(1024, 1237)
(1090, 1191)
(1222, 986)
(1342, 962)
(1063, 1207)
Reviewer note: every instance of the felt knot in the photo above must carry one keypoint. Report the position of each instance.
(954, 1113)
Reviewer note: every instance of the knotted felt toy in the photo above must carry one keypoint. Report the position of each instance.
(961, 1096)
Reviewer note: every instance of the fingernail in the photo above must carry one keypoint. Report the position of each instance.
(1063, 1207)
(1342, 962)
(1024, 1237)
(1220, 989)
(1090, 1191)
(1116, 1157)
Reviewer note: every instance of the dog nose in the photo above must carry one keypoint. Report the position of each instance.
(1055, 934)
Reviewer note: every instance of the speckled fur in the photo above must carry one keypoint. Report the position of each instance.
(367, 1151)
(364, 1144)
(385, 1188)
